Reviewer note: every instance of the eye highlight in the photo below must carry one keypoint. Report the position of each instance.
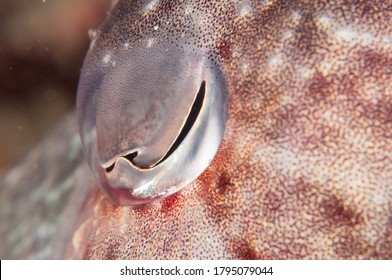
(153, 123)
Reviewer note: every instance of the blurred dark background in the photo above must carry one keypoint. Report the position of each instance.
(42, 46)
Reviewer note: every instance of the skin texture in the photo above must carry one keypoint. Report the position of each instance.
(304, 170)
(310, 175)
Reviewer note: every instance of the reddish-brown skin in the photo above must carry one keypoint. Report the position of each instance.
(304, 170)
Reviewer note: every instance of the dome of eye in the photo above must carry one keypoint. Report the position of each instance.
(151, 118)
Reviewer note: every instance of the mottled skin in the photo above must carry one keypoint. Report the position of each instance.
(304, 170)
(310, 175)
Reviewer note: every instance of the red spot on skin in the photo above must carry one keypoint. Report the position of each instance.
(245, 252)
(224, 183)
(144, 209)
(335, 211)
(224, 50)
(319, 88)
(169, 203)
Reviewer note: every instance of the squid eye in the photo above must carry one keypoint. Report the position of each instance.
(193, 114)
(151, 119)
